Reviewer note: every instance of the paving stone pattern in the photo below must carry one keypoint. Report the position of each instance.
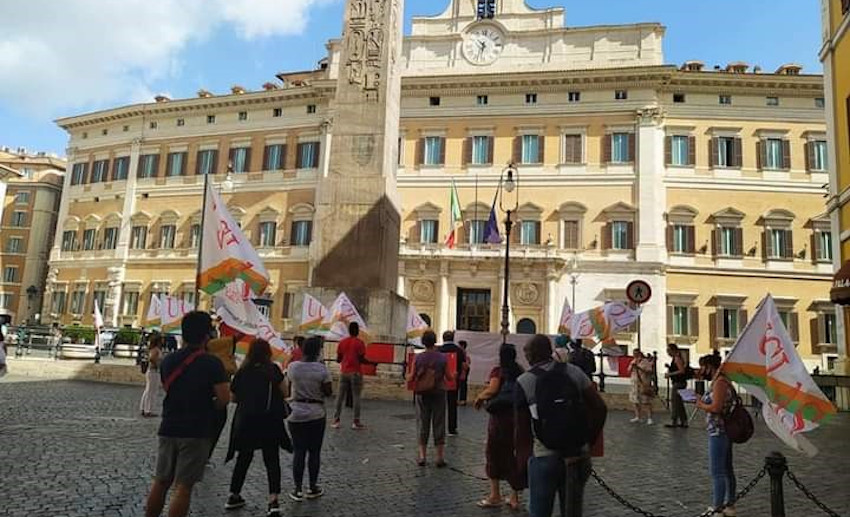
(79, 449)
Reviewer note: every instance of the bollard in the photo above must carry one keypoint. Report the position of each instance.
(777, 466)
(97, 355)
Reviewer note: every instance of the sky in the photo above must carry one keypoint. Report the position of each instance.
(63, 58)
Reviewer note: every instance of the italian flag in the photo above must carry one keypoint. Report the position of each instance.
(455, 216)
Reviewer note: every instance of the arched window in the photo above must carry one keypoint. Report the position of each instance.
(426, 319)
(486, 9)
(526, 326)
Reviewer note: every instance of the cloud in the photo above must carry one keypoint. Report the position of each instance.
(62, 55)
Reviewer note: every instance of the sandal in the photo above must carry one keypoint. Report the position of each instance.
(421, 462)
(486, 503)
(514, 506)
(441, 464)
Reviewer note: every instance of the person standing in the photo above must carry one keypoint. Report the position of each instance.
(567, 415)
(258, 423)
(311, 383)
(152, 379)
(3, 367)
(194, 383)
(449, 347)
(717, 403)
(428, 375)
(677, 373)
(508, 445)
(463, 380)
(642, 392)
(350, 354)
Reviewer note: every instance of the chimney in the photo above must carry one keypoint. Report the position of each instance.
(237, 90)
(756, 69)
(737, 67)
(204, 94)
(270, 86)
(22, 151)
(789, 69)
(161, 98)
(693, 66)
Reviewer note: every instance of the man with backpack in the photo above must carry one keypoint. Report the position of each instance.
(567, 415)
(449, 347)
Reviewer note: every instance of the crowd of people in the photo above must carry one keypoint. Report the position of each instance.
(543, 421)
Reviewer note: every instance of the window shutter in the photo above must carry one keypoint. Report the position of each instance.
(670, 229)
(541, 150)
(420, 152)
(415, 234)
(767, 244)
(692, 150)
(539, 229)
(467, 150)
(760, 157)
(215, 162)
(467, 234)
(739, 242)
(284, 153)
(816, 329)
(491, 143)
(606, 149)
(693, 321)
(712, 153)
(231, 163)
(670, 328)
(814, 243)
(309, 232)
(299, 163)
(631, 157)
(578, 149)
(786, 154)
(156, 173)
(739, 153)
(810, 156)
(794, 327)
(606, 236)
(789, 244)
(690, 232)
(266, 158)
(742, 320)
(517, 154)
(715, 324)
(568, 149)
(668, 150)
(571, 236)
(715, 242)
(437, 231)
(630, 238)
(183, 163)
(317, 148)
(516, 232)
(248, 160)
(442, 150)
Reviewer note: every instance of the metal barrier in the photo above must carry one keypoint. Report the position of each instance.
(836, 388)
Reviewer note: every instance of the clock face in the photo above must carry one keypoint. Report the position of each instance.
(483, 45)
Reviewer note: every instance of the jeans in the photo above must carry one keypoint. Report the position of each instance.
(677, 405)
(349, 384)
(307, 438)
(723, 482)
(271, 458)
(462, 390)
(431, 414)
(551, 475)
(451, 406)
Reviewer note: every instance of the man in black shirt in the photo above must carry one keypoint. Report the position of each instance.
(195, 384)
(449, 347)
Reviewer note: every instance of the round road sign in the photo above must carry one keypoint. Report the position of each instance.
(639, 292)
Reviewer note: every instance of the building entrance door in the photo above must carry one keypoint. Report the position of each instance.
(473, 310)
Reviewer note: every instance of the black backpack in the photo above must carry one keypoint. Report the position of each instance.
(561, 424)
(584, 359)
(504, 400)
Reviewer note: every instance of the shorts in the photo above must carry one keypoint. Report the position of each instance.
(181, 459)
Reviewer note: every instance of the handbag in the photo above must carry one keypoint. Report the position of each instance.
(738, 423)
(504, 400)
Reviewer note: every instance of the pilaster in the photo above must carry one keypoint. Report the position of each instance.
(651, 194)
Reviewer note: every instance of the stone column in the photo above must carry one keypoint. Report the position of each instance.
(651, 194)
(401, 280)
(443, 300)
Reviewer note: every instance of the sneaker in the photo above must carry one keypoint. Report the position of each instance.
(635, 420)
(649, 421)
(315, 493)
(274, 509)
(452, 433)
(357, 426)
(296, 495)
(233, 502)
(335, 425)
(730, 511)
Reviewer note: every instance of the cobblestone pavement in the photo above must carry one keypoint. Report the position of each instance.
(79, 449)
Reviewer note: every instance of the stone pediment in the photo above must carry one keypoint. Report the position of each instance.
(728, 214)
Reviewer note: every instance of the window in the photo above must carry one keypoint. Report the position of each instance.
(28, 172)
(621, 95)
(434, 154)
(14, 245)
(188, 297)
(207, 161)
(620, 238)
(725, 100)
(10, 274)
(78, 173)
(819, 102)
(166, 236)
(69, 240)
(532, 149)
(22, 198)
(823, 243)
(726, 152)
(727, 241)
(620, 147)
(131, 303)
(110, 238)
(195, 235)
(78, 301)
(682, 238)
(274, 155)
(529, 233)
(85, 135)
(138, 237)
(486, 9)
(210, 119)
(277, 112)
(176, 164)
(433, 101)
(481, 151)
(308, 155)
(126, 129)
(302, 233)
(311, 109)
(573, 149)
(574, 96)
(476, 231)
(531, 98)
(729, 323)
(99, 297)
(6, 300)
(181, 122)
(240, 159)
(99, 171)
(680, 150)
(428, 231)
(681, 321)
(19, 219)
(243, 116)
(816, 155)
(58, 305)
(779, 244)
(572, 240)
(153, 124)
(482, 100)
(148, 165)
(678, 98)
(268, 231)
(773, 101)
(104, 132)
(121, 168)
(88, 239)
(772, 153)
(526, 326)
(830, 330)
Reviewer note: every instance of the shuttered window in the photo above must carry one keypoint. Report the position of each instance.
(573, 149)
(572, 238)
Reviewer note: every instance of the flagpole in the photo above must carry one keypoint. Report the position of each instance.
(201, 244)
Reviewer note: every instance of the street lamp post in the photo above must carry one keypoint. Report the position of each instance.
(508, 182)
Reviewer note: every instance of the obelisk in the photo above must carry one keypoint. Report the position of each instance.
(357, 220)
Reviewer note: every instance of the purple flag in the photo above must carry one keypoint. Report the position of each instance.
(491, 231)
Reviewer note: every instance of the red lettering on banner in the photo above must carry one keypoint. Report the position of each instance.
(226, 237)
(778, 358)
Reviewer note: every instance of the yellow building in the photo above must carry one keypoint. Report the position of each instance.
(835, 56)
(30, 188)
(708, 184)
